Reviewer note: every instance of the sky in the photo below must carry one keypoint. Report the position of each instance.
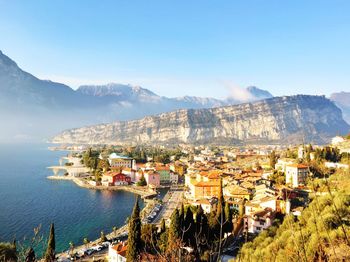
(177, 48)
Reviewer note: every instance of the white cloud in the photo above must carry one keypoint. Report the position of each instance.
(238, 93)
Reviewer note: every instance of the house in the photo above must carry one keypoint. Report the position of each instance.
(117, 253)
(174, 178)
(205, 189)
(178, 167)
(259, 220)
(283, 163)
(336, 165)
(337, 140)
(130, 173)
(116, 161)
(164, 174)
(115, 179)
(152, 178)
(108, 178)
(204, 203)
(236, 192)
(296, 174)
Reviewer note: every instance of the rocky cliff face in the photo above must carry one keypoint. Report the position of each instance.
(280, 119)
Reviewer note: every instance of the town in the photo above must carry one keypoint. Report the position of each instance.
(256, 187)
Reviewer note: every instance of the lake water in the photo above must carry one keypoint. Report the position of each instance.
(28, 199)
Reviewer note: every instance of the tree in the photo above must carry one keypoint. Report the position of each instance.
(115, 231)
(71, 247)
(228, 226)
(134, 239)
(142, 181)
(86, 242)
(149, 237)
(8, 252)
(30, 256)
(103, 237)
(162, 226)
(273, 159)
(174, 229)
(188, 228)
(221, 202)
(51, 245)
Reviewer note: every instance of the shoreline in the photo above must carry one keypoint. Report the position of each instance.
(144, 193)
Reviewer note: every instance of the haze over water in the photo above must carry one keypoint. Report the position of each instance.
(29, 199)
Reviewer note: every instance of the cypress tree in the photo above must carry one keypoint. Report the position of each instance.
(228, 227)
(51, 245)
(162, 226)
(134, 239)
(174, 229)
(189, 228)
(273, 159)
(182, 215)
(221, 202)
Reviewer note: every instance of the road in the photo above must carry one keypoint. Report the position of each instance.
(172, 200)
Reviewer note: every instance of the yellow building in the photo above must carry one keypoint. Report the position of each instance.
(204, 189)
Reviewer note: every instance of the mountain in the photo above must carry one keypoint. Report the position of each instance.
(34, 109)
(290, 119)
(342, 100)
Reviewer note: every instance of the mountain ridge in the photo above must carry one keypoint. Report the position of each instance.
(285, 119)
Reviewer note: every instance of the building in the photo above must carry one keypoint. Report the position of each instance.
(152, 178)
(117, 253)
(296, 175)
(204, 203)
(336, 165)
(116, 161)
(164, 174)
(236, 192)
(337, 140)
(174, 178)
(178, 167)
(205, 189)
(130, 173)
(282, 164)
(259, 220)
(115, 179)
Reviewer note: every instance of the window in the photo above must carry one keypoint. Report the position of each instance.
(258, 228)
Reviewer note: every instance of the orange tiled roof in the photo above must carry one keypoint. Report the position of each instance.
(298, 166)
(207, 184)
(111, 173)
(121, 249)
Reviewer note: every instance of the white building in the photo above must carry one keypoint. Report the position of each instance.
(174, 178)
(117, 253)
(282, 163)
(116, 161)
(258, 221)
(296, 175)
(337, 140)
(336, 165)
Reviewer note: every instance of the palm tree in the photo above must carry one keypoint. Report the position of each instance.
(71, 247)
(115, 231)
(86, 242)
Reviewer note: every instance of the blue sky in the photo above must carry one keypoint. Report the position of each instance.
(177, 48)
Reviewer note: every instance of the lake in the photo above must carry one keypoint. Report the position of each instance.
(29, 199)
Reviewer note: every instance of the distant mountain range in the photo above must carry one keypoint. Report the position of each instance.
(342, 100)
(291, 119)
(35, 109)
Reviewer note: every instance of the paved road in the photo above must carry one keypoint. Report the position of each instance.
(172, 200)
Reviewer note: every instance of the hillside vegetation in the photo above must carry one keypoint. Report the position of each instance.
(321, 233)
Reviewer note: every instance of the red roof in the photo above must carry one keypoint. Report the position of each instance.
(298, 166)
